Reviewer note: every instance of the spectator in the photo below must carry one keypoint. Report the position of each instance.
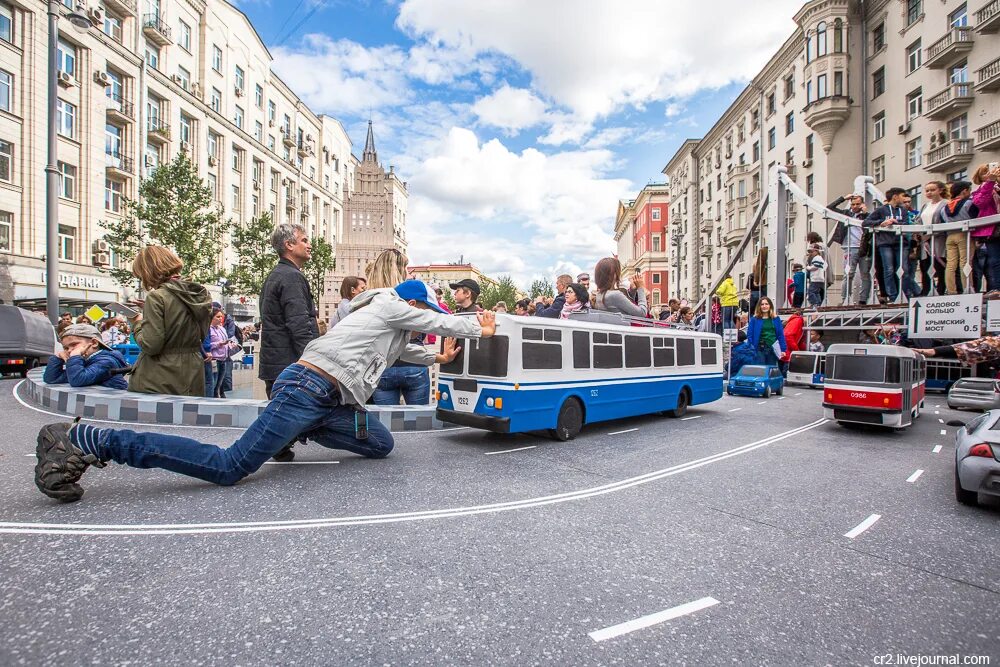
(816, 267)
(171, 327)
(958, 209)
(522, 306)
(439, 293)
(757, 280)
(83, 319)
(813, 238)
(672, 312)
(987, 201)
(816, 341)
(729, 300)
(936, 194)
(716, 315)
(500, 307)
(220, 346)
(111, 333)
(584, 279)
(765, 332)
(85, 360)
(65, 319)
(576, 300)
(349, 288)
(234, 334)
(857, 266)
(388, 270)
(554, 308)
(686, 317)
(287, 311)
(608, 275)
(465, 292)
(888, 244)
(794, 339)
(798, 285)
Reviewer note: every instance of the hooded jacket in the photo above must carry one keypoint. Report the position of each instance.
(175, 319)
(375, 336)
(727, 293)
(287, 319)
(78, 371)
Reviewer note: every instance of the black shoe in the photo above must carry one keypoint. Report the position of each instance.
(60, 463)
(286, 454)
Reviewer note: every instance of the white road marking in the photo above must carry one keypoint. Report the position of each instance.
(519, 449)
(423, 515)
(762, 403)
(781, 398)
(937, 412)
(937, 406)
(944, 432)
(940, 421)
(863, 526)
(736, 409)
(299, 463)
(652, 619)
(798, 393)
(937, 448)
(915, 476)
(628, 430)
(684, 419)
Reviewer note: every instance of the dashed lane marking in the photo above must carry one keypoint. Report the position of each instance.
(684, 419)
(736, 409)
(762, 403)
(508, 451)
(628, 430)
(781, 398)
(944, 432)
(863, 526)
(652, 619)
(940, 421)
(798, 393)
(937, 449)
(915, 476)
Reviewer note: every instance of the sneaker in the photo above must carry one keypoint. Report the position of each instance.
(61, 463)
(286, 454)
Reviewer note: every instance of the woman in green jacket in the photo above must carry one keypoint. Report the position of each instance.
(174, 320)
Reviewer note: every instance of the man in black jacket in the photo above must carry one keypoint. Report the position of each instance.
(887, 243)
(541, 310)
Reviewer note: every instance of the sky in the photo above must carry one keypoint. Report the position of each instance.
(519, 124)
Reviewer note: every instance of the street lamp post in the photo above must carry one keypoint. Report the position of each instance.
(676, 237)
(80, 21)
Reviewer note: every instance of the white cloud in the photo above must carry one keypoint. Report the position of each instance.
(510, 109)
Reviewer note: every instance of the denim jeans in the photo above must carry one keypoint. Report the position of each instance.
(304, 403)
(992, 265)
(816, 293)
(413, 383)
(209, 379)
(728, 317)
(222, 368)
(889, 252)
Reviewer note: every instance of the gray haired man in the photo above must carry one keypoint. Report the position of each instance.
(287, 311)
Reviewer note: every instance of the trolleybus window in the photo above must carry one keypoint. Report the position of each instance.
(857, 368)
(637, 353)
(663, 352)
(892, 371)
(685, 352)
(542, 355)
(581, 349)
(802, 364)
(488, 356)
(457, 365)
(708, 353)
(607, 350)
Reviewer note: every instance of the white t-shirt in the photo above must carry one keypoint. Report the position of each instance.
(817, 270)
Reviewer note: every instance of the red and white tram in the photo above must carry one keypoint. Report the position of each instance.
(873, 384)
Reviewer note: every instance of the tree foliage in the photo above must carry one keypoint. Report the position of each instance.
(503, 289)
(317, 267)
(541, 287)
(254, 255)
(448, 298)
(175, 209)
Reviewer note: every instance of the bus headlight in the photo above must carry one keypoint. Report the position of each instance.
(489, 402)
(444, 396)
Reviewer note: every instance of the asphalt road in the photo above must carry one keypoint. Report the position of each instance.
(721, 537)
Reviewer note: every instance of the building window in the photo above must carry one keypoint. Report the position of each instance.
(958, 128)
(771, 139)
(915, 193)
(286, 125)
(66, 117)
(6, 161)
(821, 86)
(6, 231)
(236, 198)
(810, 182)
(838, 36)
(113, 141)
(878, 169)
(821, 39)
(754, 120)
(258, 131)
(914, 153)
(259, 96)
(185, 77)
(184, 31)
(275, 179)
(67, 238)
(237, 160)
(756, 151)
(655, 214)
(959, 73)
(810, 147)
(838, 84)
(213, 144)
(6, 89)
(878, 82)
(185, 129)
(772, 104)
(913, 57)
(67, 58)
(959, 18)
(914, 10)
(238, 117)
(113, 26)
(216, 100)
(878, 37)
(6, 25)
(151, 159)
(112, 195)
(240, 79)
(878, 126)
(67, 181)
(789, 86)
(656, 243)
(152, 56)
(213, 186)
(270, 142)
(272, 112)
(914, 104)
(958, 176)
(217, 58)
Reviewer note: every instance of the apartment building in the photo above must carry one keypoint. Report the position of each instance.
(641, 234)
(824, 106)
(142, 85)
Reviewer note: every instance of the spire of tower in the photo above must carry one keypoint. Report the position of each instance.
(370, 155)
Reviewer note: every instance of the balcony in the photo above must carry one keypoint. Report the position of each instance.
(122, 7)
(988, 76)
(988, 137)
(706, 250)
(754, 197)
(120, 165)
(954, 98)
(950, 155)
(741, 170)
(157, 131)
(988, 18)
(742, 202)
(156, 30)
(791, 171)
(287, 139)
(825, 116)
(707, 224)
(735, 235)
(949, 48)
(305, 150)
(119, 109)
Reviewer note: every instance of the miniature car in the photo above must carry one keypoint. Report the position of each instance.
(977, 458)
(974, 394)
(752, 380)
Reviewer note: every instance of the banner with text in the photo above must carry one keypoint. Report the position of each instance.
(953, 316)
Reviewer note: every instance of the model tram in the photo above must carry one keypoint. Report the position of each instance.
(557, 375)
(809, 369)
(874, 384)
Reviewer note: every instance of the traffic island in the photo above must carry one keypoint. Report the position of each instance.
(100, 403)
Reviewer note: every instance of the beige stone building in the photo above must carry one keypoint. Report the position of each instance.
(143, 84)
(905, 92)
(442, 275)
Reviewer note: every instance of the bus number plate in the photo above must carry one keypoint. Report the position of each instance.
(858, 394)
(463, 401)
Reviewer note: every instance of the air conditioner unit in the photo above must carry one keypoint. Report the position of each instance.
(66, 79)
(185, 146)
(196, 88)
(904, 128)
(212, 161)
(149, 161)
(102, 259)
(101, 245)
(270, 123)
(309, 137)
(256, 185)
(807, 163)
(284, 181)
(96, 16)
(101, 77)
(176, 78)
(239, 92)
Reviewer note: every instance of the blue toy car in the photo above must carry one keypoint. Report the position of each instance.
(754, 380)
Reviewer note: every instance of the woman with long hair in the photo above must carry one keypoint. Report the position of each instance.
(930, 249)
(171, 327)
(765, 331)
(609, 297)
(987, 200)
(388, 269)
(757, 280)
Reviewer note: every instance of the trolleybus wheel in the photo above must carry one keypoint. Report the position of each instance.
(570, 421)
(963, 496)
(683, 401)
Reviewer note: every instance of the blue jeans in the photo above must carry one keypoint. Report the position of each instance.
(413, 383)
(992, 265)
(816, 293)
(889, 252)
(209, 379)
(303, 403)
(222, 368)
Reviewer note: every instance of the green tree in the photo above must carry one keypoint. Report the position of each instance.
(317, 267)
(448, 298)
(502, 289)
(254, 255)
(175, 209)
(541, 287)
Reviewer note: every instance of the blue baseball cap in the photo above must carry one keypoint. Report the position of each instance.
(417, 290)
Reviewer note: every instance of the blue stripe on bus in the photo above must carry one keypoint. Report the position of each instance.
(658, 378)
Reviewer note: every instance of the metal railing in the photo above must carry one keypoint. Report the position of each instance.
(155, 22)
(118, 103)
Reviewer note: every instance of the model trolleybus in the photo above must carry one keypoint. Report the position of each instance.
(873, 384)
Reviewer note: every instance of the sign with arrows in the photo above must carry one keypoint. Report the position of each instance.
(954, 316)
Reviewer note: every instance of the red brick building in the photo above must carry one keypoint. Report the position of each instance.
(650, 235)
